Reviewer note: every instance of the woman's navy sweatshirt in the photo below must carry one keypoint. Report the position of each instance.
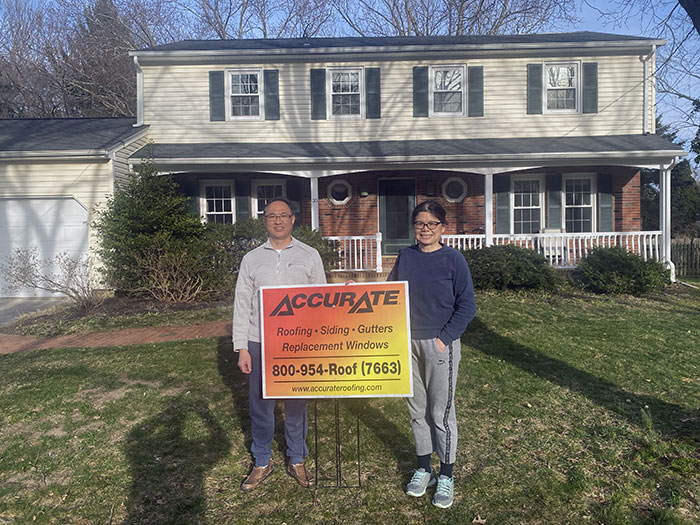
(441, 293)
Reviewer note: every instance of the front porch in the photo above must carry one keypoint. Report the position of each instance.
(363, 253)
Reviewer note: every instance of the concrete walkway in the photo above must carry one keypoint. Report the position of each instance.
(132, 336)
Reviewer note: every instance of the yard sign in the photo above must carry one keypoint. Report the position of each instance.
(336, 340)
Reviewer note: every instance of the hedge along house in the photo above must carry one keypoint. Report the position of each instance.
(531, 139)
(53, 175)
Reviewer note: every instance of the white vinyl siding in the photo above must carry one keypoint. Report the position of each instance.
(177, 105)
(121, 169)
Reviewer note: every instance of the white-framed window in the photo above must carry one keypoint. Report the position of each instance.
(345, 92)
(527, 193)
(216, 202)
(447, 90)
(263, 191)
(561, 86)
(454, 189)
(244, 88)
(339, 192)
(579, 203)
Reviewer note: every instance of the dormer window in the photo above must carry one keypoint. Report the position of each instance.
(245, 88)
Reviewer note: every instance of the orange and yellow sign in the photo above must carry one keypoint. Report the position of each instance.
(336, 340)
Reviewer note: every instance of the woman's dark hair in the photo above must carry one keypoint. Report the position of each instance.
(431, 207)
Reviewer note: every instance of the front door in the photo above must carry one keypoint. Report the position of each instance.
(397, 198)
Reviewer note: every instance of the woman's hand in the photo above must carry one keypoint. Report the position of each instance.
(440, 344)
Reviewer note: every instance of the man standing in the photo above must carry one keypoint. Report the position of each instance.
(282, 260)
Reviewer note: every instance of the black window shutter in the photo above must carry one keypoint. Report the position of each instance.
(554, 201)
(420, 91)
(501, 190)
(605, 204)
(590, 87)
(534, 89)
(217, 105)
(476, 91)
(318, 94)
(242, 200)
(272, 94)
(373, 92)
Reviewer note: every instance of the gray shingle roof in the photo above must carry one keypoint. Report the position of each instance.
(395, 150)
(354, 42)
(64, 134)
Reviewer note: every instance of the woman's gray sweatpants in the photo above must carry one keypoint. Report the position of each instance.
(432, 407)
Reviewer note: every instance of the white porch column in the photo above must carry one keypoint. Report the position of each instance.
(315, 215)
(488, 207)
(665, 217)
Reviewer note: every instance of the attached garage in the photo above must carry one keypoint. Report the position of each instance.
(52, 226)
(53, 173)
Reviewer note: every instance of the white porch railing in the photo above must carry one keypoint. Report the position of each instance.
(562, 250)
(357, 253)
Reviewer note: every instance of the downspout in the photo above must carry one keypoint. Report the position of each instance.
(645, 90)
(139, 93)
(665, 216)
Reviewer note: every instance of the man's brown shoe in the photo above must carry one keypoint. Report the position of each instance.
(299, 473)
(256, 477)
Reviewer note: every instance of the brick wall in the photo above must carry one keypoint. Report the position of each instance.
(360, 216)
(627, 195)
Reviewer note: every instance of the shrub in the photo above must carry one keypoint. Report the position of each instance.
(63, 274)
(614, 270)
(146, 216)
(510, 267)
(326, 249)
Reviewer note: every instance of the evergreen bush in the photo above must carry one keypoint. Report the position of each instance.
(614, 270)
(510, 267)
(145, 219)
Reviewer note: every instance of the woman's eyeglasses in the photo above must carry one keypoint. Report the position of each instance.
(418, 225)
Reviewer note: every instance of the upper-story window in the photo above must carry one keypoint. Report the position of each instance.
(561, 85)
(245, 89)
(345, 93)
(447, 93)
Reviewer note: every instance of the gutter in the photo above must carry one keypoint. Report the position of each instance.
(549, 47)
(404, 159)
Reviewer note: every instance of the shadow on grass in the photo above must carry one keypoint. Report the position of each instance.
(386, 431)
(669, 419)
(169, 456)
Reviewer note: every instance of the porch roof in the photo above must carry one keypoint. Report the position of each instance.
(628, 150)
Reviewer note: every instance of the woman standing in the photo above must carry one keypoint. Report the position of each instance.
(441, 297)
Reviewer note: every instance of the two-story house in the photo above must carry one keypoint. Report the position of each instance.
(529, 139)
(535, 139)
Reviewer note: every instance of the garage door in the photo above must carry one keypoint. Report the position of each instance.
(52, 225)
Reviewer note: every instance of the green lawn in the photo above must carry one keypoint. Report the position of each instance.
(572, 409)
